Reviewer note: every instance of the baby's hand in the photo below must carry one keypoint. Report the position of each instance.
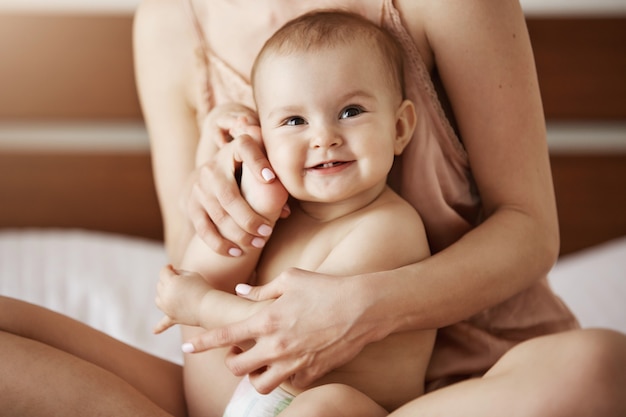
(267, 199)
(179, 293)
(165, 323)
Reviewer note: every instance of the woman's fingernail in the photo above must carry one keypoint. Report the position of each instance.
(267, 174)
(187, 348)
(235, 252)
(258, 242)
(264, 230)
(243, 289)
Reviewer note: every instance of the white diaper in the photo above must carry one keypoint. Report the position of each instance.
(247, 402)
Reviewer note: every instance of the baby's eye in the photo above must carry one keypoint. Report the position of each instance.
(351, 111)
(294, 121)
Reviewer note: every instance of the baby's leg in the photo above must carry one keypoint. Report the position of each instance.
(333, 400)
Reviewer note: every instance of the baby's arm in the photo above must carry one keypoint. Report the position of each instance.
(223, 272)
(265, 198)
(187, 298)
(184, 293)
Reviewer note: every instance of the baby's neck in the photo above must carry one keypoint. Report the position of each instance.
(327, 211)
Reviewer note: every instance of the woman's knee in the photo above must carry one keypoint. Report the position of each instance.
(578, 373)
(601, 357)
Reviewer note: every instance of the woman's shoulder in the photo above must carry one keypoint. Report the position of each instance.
(163, 26)
(164, 43)
(152, 14)
(427, 20)
(413, 16)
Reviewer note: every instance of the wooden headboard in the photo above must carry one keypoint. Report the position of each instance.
(78, 68)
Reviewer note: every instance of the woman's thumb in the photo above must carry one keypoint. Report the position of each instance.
(260, 293)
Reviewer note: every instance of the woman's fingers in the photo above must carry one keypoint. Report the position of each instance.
(268, 291)
(205, 228)
(251, 361)
(215, 206)
(232, 335)
(215, 216)
(264, 378)
(249, 152)
(220, 214)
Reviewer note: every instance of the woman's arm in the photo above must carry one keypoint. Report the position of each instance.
(483, 55)
(194, 178)
(358, 252)
(164, 62)
(482, 51)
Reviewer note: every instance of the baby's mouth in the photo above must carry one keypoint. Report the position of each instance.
(329, 165)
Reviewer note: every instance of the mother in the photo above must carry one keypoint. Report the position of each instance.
(493, 228)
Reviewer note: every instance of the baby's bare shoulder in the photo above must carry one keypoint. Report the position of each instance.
(392, 211)
(387, 234)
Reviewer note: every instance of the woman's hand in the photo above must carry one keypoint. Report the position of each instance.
(179, 295)
(309, 330)
(221, 216)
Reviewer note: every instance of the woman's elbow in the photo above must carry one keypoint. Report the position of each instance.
(547, 244)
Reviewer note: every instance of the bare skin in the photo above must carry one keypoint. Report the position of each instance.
(521, 219)
(357, 120)
(467, 42)
(53, 365)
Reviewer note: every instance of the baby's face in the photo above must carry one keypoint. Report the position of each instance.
(328, 120)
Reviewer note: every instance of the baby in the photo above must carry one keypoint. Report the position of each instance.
(328, 88)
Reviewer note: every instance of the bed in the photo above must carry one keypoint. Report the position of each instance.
(80, 228)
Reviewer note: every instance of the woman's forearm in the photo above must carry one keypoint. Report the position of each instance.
(493, 262)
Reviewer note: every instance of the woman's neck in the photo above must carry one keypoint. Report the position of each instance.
(237, 29)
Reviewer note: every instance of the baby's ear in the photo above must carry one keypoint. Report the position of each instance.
(405, 125)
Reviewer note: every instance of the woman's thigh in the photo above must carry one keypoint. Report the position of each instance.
(66, 353)
(576, 373)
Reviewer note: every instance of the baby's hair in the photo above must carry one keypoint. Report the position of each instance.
(322, 29)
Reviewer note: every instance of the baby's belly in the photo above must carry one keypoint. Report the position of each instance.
(208, 383)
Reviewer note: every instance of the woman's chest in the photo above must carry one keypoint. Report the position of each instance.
(236, 30)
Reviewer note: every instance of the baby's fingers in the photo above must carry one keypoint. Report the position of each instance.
(243, 127)
(165, 323)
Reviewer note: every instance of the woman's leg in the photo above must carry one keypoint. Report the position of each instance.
(49, 361)
(577, 373)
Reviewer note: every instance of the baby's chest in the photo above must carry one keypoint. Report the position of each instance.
(293, 248)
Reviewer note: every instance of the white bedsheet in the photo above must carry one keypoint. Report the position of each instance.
(592, 283)
(108, 281)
